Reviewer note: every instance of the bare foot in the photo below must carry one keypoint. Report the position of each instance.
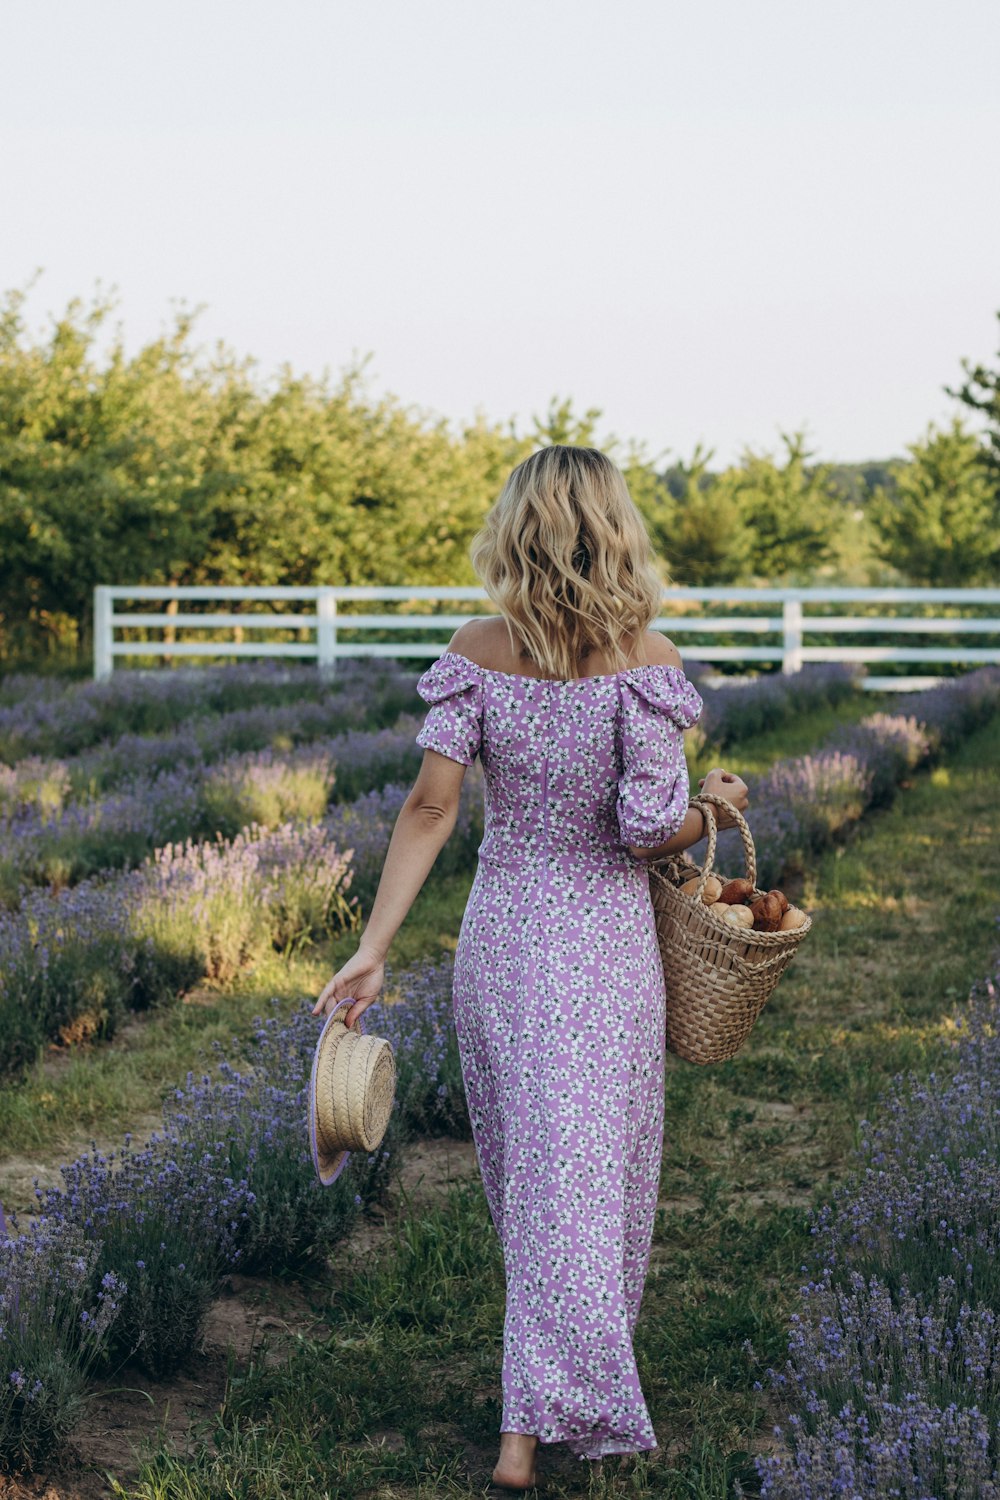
(515, 1468)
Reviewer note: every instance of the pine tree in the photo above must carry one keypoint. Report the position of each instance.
(980, 391)
(941, 526)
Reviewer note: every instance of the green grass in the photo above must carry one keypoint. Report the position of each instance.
(798, 736)
(400, 1398)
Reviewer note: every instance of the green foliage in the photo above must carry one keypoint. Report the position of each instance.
(700, 531)
(789, 511)
(941, 526)
(759, 519)
(173, 466)
(980, 392)
(166, 467)
(562, 425)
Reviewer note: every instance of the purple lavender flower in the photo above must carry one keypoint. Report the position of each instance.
(893, 1369)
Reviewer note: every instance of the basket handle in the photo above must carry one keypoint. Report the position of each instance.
(704, 802)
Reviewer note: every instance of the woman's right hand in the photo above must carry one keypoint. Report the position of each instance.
(726, 784)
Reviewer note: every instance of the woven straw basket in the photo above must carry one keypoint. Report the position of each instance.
(718, 977)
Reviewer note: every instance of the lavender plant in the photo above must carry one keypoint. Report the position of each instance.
(56, 1319)
(83, 839)
(72, 964)
(417, 1019)
(372, 692)
(219, 906)
(735, 711)
(34, 782)
(799, 806)
(893, 1370)
(253, 1107)
(163, 1222)
(861, 1336)
(264, 790)
(909, 1449)
(68, 968)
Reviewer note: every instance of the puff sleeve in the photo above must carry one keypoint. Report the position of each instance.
(453, 686)
(657, 704)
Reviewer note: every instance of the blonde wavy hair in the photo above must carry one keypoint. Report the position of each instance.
(565, 556)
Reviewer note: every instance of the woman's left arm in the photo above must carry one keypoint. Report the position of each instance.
(421, 831)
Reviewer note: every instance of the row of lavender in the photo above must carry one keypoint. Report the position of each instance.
(121, 1263)
(49, 839)
(42, 716)
(800, 806)
(73, 963)
(893, 1375)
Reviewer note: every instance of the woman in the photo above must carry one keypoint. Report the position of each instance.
(577, 710)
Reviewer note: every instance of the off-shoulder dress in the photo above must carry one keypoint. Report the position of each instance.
(559, 1010)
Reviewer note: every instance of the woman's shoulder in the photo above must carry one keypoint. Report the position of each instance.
(485, 642)
(660, 684)
(459, 667)
(657, 650)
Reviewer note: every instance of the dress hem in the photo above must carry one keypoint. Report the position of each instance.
(576, 1443)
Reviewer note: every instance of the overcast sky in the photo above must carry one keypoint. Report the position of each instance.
(714, 221)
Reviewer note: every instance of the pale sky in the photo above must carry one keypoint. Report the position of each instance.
(714, 221)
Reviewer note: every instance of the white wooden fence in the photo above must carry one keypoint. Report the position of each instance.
(318, 611)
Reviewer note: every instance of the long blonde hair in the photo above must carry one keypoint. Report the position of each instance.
(565, 556)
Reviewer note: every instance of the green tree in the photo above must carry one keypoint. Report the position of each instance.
(941, 524)
(100, 469)
(980, 392)
(562, 425)
(789, 511)
(698, 533)
(170, 467)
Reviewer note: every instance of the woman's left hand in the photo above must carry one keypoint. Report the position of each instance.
(360, 980)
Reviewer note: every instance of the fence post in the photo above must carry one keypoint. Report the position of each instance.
(326, 632)
(791, 620)
(103, 660)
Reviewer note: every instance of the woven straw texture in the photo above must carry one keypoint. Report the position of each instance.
(718, 977)
(353, 1088)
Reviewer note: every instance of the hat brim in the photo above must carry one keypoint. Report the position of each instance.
(328, 1165)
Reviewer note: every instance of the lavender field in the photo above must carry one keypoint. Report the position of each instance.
(160, 834)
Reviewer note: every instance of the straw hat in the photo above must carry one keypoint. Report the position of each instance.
(351, 1092)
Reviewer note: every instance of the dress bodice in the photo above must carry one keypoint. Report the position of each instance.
(577, 767)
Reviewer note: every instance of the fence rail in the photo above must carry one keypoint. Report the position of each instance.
(322, 619)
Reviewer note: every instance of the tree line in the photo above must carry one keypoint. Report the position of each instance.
(172, 465)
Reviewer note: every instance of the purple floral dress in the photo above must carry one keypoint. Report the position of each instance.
(559, 1010)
